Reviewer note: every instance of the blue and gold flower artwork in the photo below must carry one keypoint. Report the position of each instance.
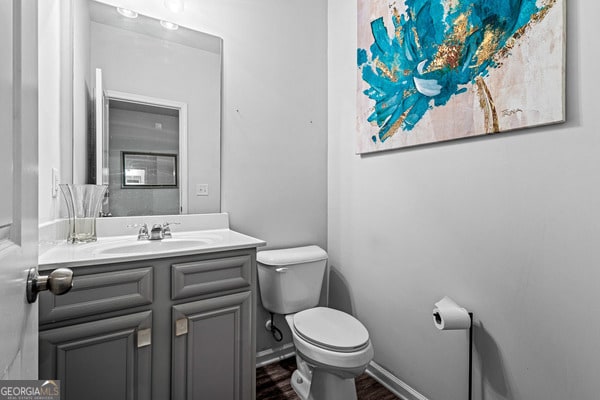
(436, 70)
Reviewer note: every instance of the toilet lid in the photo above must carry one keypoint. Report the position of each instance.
(291, 256)
(331, 329)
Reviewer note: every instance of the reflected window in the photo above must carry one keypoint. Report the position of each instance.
(149, 170)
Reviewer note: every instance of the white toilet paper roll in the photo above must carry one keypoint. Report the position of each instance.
(447, 315)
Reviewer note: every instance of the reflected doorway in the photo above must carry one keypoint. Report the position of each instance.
(143, 147)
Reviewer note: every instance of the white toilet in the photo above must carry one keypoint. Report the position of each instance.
(332, 347)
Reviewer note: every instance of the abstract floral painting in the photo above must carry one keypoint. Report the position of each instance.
(437, 70)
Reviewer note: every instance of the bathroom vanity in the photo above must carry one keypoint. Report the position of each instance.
(147, 321)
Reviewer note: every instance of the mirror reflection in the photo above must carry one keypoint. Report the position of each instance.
(156, 90)
(144, 170)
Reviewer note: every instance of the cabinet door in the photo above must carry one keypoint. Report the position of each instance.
(105, 359)
(212, 349)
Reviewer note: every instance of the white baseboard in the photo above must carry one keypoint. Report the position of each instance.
(275, 354)
(392, 383)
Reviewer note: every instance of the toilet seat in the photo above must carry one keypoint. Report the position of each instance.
(341, 363)
(331, 330)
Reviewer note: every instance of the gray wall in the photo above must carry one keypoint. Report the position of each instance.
(143, 65)
(508, 226)
(274, 119)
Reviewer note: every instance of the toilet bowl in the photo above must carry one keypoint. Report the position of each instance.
(332, 347)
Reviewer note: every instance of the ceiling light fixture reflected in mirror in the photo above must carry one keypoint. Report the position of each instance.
(175, 6)
(127, 13)
(169, 25)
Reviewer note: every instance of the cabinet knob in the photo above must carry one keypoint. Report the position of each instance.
(59, 282)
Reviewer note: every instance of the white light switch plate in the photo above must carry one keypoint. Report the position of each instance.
(55, 182)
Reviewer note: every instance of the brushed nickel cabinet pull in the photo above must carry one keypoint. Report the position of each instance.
(144, 337)
(181, 327)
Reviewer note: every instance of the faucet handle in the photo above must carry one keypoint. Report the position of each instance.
(143, 232)
(137, 226)
(167, 228)
(171, 223)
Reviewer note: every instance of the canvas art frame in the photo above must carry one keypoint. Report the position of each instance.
(437, 70)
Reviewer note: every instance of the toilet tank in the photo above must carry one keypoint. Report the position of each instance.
(290, 280)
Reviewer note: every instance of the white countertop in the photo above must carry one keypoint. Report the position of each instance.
(112, 249)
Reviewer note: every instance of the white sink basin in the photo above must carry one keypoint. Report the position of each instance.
(152, 246)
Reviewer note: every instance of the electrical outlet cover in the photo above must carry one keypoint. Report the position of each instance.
(202, 189)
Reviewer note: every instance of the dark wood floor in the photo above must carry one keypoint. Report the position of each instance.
(273, 383)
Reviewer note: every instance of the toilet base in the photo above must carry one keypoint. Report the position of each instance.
(323, 386)
(300, 384)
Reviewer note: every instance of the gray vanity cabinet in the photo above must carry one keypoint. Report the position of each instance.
(100, 360)
(179, 328)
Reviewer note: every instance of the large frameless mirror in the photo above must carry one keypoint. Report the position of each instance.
(142, 86)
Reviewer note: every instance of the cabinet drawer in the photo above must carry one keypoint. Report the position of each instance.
(98, 293)
(209, 276)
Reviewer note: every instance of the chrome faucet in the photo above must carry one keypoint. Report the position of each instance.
(158, 231)
(161, 231)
